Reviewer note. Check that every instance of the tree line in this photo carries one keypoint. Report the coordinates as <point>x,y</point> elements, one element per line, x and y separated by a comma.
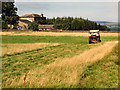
<point>70,23</point>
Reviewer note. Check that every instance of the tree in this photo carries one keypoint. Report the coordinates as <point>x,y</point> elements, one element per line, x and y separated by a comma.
<point>65,26</point>
<point>0,7</point>
<point>58,23</point>
<point>4,25</point>
<point>0,23</point>
<point>87,24</point>
<point>42,20</point>
<point>67,23</point>
<point>50,21</point>
<point>9,14</point>
<point>33,26</point>
<point>103,28</point>
<point>77,24</point>
<point>82,24</point>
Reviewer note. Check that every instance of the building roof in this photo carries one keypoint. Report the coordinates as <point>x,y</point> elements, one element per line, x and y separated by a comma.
<point>25,21</point>
<point>30,15</point>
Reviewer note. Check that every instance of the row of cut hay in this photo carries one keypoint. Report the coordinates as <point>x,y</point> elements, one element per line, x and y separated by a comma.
<point>17,48</point>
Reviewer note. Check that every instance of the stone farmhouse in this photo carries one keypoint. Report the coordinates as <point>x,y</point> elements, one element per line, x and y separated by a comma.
<point>25,20</point>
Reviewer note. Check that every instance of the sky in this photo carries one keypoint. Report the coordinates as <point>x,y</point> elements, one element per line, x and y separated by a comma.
<point>95,11</point>
<point>67,0</point>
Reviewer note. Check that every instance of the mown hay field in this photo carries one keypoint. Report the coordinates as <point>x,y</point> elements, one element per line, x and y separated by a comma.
<point>16,65</point>
<point>17,48</point>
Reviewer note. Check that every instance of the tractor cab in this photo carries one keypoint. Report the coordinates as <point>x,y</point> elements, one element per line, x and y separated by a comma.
<point>94,36</point>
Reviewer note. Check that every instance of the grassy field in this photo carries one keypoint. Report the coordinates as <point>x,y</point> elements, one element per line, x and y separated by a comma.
<point>21,47</point>
<point>45,39</point>
<point>51,39</point>
<point>103,73</point>
<point>17,64</point>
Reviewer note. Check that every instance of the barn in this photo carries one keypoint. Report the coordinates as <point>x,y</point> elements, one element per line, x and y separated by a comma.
<point>26,19</point>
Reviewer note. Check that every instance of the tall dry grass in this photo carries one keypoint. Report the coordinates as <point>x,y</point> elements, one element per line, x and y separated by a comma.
<point>65,72</point>
<point>15,48</point>
<point>57,33</point>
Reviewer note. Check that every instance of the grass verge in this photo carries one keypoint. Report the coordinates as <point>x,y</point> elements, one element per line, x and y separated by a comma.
<point>102,74</point>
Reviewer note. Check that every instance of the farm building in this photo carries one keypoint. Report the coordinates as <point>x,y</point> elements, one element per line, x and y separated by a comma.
<point>23,24</point>
<point>28,18</point>
<point>32,17</point>
<point>45,27</point>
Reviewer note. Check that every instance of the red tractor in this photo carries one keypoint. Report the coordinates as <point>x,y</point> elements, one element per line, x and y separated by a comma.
<point>94,36</point>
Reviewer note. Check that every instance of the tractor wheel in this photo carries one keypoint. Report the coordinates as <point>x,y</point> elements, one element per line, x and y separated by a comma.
<point>98,39</point>
<point>90,41</point>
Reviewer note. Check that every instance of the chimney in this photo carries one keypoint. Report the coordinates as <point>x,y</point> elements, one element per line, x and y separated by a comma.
<point>41,15</point>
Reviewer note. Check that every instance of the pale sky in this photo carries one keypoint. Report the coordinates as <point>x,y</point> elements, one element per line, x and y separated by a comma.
<point>95,11</point>
<point>67,0</point>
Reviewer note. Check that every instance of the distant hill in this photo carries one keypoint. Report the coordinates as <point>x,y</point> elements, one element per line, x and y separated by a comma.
<point>102,22</point>
<point>112,25</point>
<point>107,23</point>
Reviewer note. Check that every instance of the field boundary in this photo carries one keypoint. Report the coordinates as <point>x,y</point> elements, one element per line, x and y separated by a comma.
<point>37,33</point>
<point>68,31</point>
